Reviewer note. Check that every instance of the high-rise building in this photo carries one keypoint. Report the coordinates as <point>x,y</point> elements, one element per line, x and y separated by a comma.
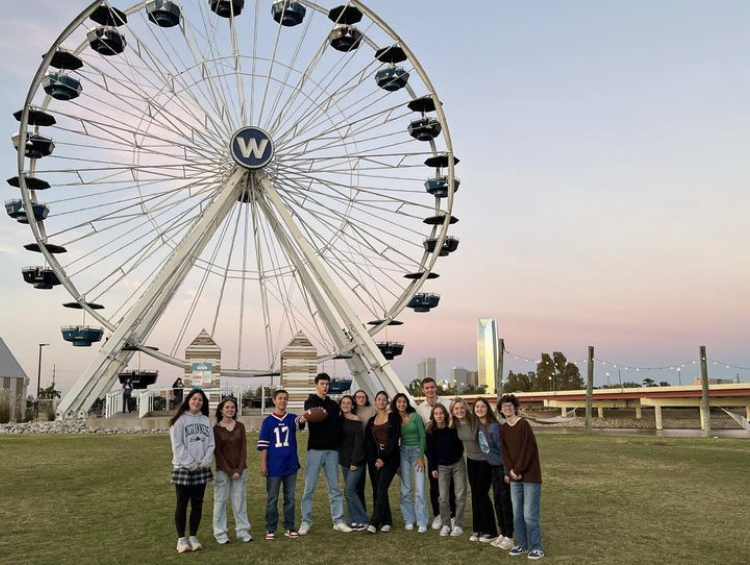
<point>427,368</point>
<point>459,377</point>
<point>487,359</point>
<point>472,378</point>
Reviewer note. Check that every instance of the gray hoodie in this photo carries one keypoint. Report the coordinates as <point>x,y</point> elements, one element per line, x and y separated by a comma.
<point>192,441</point>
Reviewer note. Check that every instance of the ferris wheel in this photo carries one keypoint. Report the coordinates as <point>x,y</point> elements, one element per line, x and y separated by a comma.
<point>254,169</point>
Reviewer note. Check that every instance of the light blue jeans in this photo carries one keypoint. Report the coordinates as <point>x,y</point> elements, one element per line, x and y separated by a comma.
<point>235,490</point>
<point>357,512</point>
<point>328,460</point>
<point>273,484</point>
<point>416,509</point>
<point>526,499</point>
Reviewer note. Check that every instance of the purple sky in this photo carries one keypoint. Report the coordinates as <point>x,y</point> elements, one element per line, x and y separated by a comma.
<point>604,189</point>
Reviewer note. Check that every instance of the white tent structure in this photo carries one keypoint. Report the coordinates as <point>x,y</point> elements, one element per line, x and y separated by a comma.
<point>13,379</point>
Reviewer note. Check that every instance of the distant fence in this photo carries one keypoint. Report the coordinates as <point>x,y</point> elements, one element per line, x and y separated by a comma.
<point>166,399</point>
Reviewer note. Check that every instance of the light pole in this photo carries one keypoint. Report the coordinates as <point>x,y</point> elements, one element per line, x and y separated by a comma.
<point>39,377</point>
<point>39,370</point>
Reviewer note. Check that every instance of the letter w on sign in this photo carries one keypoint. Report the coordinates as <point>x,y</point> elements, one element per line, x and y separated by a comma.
<point>251,146</point>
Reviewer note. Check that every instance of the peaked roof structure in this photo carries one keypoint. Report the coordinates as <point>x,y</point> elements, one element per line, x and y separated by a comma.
<point>204,340</point>
<point>299,340</point>
<point>9,366</point>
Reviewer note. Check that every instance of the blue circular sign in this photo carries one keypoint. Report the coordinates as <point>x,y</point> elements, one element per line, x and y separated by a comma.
<point>251,148</point>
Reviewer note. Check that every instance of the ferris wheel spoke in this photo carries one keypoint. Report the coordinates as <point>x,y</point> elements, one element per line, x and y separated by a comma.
<point>337,69</point>
<point>317,111</point>
<point>235,220</point>
<point>368,197</point>
<point>210,55</point>
<point>201,286</point>
<point>262,279</point>
<point>125,267</point>
<point>270,126</point>
<point>148,96</point>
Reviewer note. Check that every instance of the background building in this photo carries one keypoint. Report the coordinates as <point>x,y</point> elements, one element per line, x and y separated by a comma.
<point>459,377</point>
<point>13,384</point>
<point>472,378</point>
<point>298,370</point>
<point>202,362</point>
<point>427,368</point>
<point>487,360</point>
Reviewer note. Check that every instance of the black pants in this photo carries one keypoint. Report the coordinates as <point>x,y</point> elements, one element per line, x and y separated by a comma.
<point>503,503</point>
<point>435,496</point>
<point>362,484</point>
<point>482,513</point>
<point>193,495</point>
<point>381,481</point>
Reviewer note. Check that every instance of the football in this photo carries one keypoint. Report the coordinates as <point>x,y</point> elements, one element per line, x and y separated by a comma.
<point>315,414</point>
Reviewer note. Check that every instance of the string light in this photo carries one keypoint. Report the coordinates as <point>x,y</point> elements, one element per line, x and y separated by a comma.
<point>672,367</point>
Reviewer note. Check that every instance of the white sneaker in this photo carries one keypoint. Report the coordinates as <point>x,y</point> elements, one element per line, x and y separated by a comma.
<point>506,543</point>
<point>222,539</point>
<point>245,537</point>
<point>342,527</point>
<point>304,527</point>
<point>195,545</point>
<point>445,531</point>
<point>437,522</point>
<point>372,529</point>
<point>422,530</point>
<point>183,545</point>
<point>486,538</point>
<point>385,529</point>
<point>457,531</point>
<point>474,536</point>
<point>409,527</point>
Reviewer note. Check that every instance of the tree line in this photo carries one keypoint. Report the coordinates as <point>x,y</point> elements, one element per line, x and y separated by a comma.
<point>553,372</point>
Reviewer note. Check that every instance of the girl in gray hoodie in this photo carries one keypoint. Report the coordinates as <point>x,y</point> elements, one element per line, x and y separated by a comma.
<point>192,453</point>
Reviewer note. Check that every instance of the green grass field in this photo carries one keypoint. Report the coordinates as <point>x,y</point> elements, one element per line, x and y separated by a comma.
<point>75,499</point>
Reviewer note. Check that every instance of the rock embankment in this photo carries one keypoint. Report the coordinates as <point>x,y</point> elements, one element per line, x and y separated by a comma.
<point>72,426</point>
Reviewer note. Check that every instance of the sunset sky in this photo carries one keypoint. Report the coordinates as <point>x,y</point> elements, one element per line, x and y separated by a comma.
<point>604,198</point>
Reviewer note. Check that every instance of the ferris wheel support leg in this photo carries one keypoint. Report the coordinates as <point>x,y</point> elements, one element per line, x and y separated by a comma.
<point>356,364</point>
<point>309,265</point>
<point>141,318</point>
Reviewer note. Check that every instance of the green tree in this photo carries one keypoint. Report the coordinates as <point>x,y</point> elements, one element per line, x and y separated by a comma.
<point>414,387</point>
<point>519,382</point>
<point>50,392</point>
<point>649,382</point>
<point>555,372</point>
<point>480,389</point>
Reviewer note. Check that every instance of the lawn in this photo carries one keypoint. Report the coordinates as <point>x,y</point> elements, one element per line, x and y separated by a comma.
<point>76,499</point>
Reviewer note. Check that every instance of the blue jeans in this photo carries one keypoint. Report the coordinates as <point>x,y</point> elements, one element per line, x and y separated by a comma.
<point>328,460</point>
<point>526,499</point>
<point>357,512</point>
<point>272,506</point>
<point>412,510</point>
<point>235,490</point>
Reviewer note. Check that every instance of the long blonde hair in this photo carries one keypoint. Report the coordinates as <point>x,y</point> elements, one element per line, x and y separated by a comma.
<point>470,418</point>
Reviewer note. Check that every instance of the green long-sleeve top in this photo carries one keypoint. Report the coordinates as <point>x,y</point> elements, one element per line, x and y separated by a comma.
<point>412,433</point>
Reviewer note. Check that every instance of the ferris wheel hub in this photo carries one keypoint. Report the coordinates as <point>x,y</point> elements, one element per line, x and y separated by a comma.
<point>252,148</point>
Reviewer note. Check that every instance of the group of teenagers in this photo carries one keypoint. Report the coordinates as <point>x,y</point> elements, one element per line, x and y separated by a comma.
<point>388,437</point>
